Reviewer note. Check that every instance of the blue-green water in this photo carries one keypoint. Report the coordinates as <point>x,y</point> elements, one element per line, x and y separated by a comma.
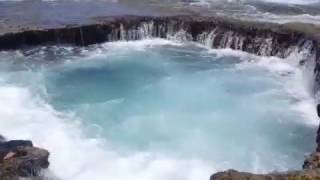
<point>154,109</point>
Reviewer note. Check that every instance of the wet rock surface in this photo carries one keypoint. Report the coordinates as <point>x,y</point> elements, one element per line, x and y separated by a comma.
<point>20,158</point>
<point>311,174</point>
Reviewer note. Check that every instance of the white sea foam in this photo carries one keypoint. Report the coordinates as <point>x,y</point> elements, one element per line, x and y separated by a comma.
<point>74,156</point>
<point>276,18</point>
<point>247,10</point>
<point>78,158</point>
<point>299,82</point>
<point>139,45</point>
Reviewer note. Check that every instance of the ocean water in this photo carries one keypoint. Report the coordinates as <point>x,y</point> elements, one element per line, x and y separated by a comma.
<point>157,110</point>
<point>300,2</point>
<point>276,11</point>
<point>24,12</point>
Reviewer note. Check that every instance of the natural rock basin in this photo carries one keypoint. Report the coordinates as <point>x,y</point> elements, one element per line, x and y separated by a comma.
<point>153,109</point>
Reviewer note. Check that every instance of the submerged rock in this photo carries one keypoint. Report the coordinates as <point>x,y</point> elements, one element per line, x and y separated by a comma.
<point>21,159</point>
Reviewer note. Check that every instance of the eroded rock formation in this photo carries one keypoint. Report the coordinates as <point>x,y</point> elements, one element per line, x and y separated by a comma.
<point>254,37</point>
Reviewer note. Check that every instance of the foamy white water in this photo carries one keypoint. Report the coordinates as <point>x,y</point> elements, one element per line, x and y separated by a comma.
<point>157,110</point>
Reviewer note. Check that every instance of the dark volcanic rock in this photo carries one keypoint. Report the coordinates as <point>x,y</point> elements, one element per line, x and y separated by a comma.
<point>318,112</point>
<point>21,159</point>
<point>6,147</point>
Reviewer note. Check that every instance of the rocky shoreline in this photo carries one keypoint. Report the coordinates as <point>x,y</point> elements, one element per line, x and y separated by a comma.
<point>310,171</point>
<point>19,158</point>
<point>310,174</point>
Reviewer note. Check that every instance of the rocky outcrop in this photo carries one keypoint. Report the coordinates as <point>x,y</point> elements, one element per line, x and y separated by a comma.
<point>21,159</point>
<point>312,174</point>
<point>310,171</point>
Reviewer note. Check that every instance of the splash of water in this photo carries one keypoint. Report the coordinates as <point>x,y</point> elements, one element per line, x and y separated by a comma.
<point>158,110</point>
